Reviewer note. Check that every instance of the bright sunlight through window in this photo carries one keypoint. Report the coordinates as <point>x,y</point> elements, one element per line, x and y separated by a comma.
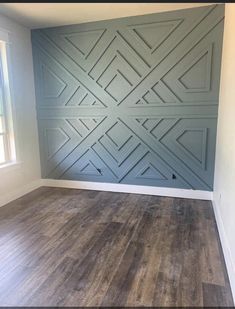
<point>7,148</point>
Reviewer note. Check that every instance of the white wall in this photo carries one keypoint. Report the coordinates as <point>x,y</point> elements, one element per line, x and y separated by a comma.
<point>22,177</point>
<point>224,185</point>
<point>26,175</point>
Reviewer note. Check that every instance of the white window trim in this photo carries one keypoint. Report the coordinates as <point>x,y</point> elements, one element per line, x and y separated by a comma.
<point>5,55</point>
<point>10,166</point>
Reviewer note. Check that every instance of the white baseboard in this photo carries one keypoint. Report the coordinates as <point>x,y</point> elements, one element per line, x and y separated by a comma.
<point>226,248</point>
<point>171,192</point>
<point>9,197</point>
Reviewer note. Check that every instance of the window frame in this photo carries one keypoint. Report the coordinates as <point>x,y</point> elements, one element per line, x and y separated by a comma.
<point>3,115</point>
<point>8,131</point>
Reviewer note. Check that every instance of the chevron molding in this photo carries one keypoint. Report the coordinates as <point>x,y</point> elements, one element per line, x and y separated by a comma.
<point>132,100</point>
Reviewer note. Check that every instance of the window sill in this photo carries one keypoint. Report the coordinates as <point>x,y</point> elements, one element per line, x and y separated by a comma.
<point>10,166</point>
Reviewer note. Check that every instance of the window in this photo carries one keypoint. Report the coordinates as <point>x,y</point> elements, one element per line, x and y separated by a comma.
<point>7,147</point>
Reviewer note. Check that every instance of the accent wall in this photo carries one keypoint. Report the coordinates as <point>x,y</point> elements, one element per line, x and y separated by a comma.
<point>131,100</point>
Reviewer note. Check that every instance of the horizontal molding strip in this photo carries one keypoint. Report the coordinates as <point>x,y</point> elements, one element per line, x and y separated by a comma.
<point>124,188</point>
<point>184,111</point>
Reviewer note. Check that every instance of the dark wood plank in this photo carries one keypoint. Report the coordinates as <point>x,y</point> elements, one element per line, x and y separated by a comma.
<point>216,296</point>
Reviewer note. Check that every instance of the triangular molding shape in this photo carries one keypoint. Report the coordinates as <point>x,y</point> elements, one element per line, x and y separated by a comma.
<point>198,72</point>
<point>89,168</point>
<point>52,85</point>
<point>84,98</point>
<point>152,97</point>
<point>150,123</point>
<point>157,127</point>
<point>83,126</point>
<point>87,165</point>
<point>152,35</point>
<point>150,172</point>
<point>199,154</point>
<point>84,41</point>
<point>56,138</point>
<point>158,94</point>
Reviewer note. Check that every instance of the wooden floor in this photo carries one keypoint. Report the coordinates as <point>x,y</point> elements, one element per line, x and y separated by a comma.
<point>65,247</point>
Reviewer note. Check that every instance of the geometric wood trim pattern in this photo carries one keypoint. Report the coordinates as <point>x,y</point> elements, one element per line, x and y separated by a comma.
<point>131,100</point>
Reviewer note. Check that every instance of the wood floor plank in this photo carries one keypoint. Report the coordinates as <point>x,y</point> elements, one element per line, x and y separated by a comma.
<point>102,276</point>
<point>216,296</point>
<point>68,247</point>
<point>143,286</point>
<point>81,270</point>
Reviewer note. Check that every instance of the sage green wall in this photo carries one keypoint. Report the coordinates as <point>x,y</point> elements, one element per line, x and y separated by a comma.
<point>131,100</point>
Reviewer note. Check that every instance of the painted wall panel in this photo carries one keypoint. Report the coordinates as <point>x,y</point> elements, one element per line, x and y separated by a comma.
<point>131,100</point>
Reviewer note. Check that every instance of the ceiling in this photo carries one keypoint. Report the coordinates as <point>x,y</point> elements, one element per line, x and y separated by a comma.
<point>41,15</point>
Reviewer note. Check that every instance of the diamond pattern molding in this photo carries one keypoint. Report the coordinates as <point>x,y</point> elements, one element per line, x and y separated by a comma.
<point>131,100</point>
